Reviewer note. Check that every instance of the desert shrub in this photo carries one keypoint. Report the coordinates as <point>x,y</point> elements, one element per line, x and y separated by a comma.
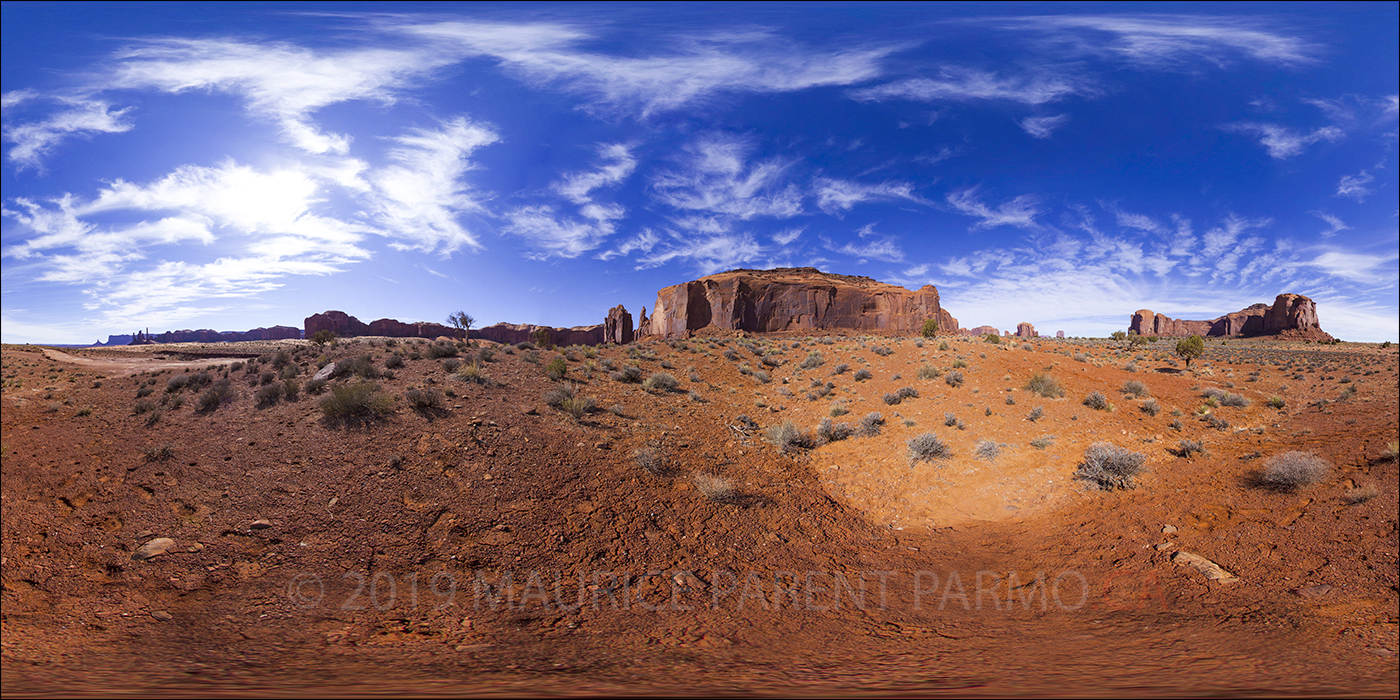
<point>315,386</point>
<point>424,400</point>
<point>361,366</point>
<point>746,369</point>
<point>882,351</point>
<point>716,488</point>
<point>631,374</point>
<point>954,379</point>
<point>143,406</point>
<point>268,395</point>
<point>161,453</point>
<point>838,410</point>
<point>215,396</point>
<point>1291,470</point>
<point>788,437</point>
<point>950,420</point>
<point>812,361</point>
<point>144,391</point>
<point>861,375</point>
<point>1109,466</point>
<point>661,382</point>
<point>730,355</point>
<point>1035,414</point>
<point>1010,400</point>
<point>1217,422</point>
<point>870,425</point>
<point>267,378</point>
<point>1043,442</point>
<point>926,448</point>
<point>942,345</point>
<point>988,449</point>
<point>290,389</point>
<point>762,377</point>
<point>1186,448</point>
<point>1080,357</point>
<point>438,351</point>
<point>472,374</point>
<point>488,355</point>
<point>578,406</point>
<point>359,402</point>
<point>1135,389</point>
<point>840,369</point>
<point>650,459</point>
<point>1042,384</point>
<point>993,339</point>
<point>1149,407</point>
<point>834,432</point>
<point>960,363</point>
<point>556,369</point>
<point>1096,401</point>
<point>1277,402</point>
<point>555,397</point>
<point>451,365</point>
<point>929,372</point>
<point>394,361</point>
<point>930,328</point>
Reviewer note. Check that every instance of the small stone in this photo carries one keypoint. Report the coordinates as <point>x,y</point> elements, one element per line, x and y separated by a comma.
<point>1317,591</point>
<point>162,615</point>
<point>154,548</point>
<point>1165,545</point>
<point>260,524</point>
<point>1169,529</point>
<point>1208,568</point>
<point>531,411</point>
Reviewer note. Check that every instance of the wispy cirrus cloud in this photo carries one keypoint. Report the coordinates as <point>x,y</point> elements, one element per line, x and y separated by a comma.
<point>715,176</point>
<point>1284,142</point>
<point>957,84</point>
<point>693,68</point>
<point>836,196</point>
<point>552,234</point>
<point>1170,41</point>
<point>419,197</point>
<point>1356,186</point>
<point>77,117</point>
<point>283,83</point>
<point>1334,225</point>
<point>1019,211</point>
<point>1043,127</point>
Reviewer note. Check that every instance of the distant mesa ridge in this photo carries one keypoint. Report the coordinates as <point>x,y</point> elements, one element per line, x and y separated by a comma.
<point>791,299</point>
<point>1292,316</point>
<point>206,335</point>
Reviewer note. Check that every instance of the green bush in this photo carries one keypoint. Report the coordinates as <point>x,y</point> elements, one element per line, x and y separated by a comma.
<point>556,369</point>
<point>929,329</point>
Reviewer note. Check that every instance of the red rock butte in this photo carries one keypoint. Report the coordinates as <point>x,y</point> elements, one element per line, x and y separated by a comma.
<point>791,299</point>
<point>1292,317</point>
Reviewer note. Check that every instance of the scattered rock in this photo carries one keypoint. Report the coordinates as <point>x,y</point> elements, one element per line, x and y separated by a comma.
<point>1317,591</point>
<point>324,373</point>
<point>260,524</point>
<point>1169,529</point>
<point>531,411</point>
<point>1208,568</point>
<point>162,615</point>
<point>154,548</point>
<point>1165,545</point>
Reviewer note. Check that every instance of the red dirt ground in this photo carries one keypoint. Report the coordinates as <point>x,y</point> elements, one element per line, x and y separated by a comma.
<point>499,546</point>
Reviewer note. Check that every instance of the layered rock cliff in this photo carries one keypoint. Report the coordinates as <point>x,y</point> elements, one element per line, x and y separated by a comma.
<point>791,299</point>
<point>1292,316</point>
<point>344,325</point>
<point>512,333</point>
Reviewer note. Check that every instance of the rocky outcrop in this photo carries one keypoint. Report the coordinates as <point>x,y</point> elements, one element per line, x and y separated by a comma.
<point>390,328</point>
<point>273,333</point>
<point>1059,334</point>
<point>1292,316</point>
<point>643,325</point>
<point>511,333</point>
<point>791,299</point>
<point>1026,330</point>
<point>343,325</point>
<point>617,327</point>
<point>984,330</point>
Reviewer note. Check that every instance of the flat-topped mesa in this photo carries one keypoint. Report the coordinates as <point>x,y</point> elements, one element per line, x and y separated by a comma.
<point>1292,317</point>
<point>792,299</point>
<point>512,333</point>
<point>344,325</point>
<point>1026,330</point>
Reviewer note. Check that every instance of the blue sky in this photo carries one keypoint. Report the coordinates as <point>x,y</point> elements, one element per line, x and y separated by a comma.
<point>237,165</point>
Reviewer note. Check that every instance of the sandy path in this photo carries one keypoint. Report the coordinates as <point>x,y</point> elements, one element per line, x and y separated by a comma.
<point>122,368</point>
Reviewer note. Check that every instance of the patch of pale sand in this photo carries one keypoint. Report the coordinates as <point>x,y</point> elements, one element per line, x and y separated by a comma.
<point>126,366</point>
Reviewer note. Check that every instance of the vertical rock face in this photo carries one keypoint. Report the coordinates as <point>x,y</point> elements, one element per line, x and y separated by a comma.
<point>511,333</point>
<point>1059,334</point>
<point>643,325</point>
<point>984,330</point>
<point>1291,316</point>
<point>338,322</point>
<point>1025,330</point>
<point>946,323</point>
<point>617,327</point>
<point>791,299</point>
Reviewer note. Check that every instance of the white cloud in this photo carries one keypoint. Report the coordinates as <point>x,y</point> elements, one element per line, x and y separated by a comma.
<point>282,83</point>
<point>552,235</point>
<point>1137,221</point>
<point>1361,268</point>
<point>1020,211</point>
<point>715,177</point>
<point>1160,41</point>
<point>1043,127</point>
<point>618,166</point>
<point>787,236</point>
<point>708,255</point>
<point>836,197</point>
<point>966,84</point>
<point>417,200</point>
<point>1355,186</point>
<point>80,117</point>
<point>1334,224</point>
<point>1283,142</point>
<point>884,249</point>
<point>696,68</point>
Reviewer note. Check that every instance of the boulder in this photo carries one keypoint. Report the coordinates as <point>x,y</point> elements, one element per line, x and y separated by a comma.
<point>1291,316</point>
<point>617,327</point>
<point>790,299</point>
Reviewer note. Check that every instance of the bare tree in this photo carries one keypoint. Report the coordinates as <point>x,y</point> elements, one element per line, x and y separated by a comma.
<point>462,321</point>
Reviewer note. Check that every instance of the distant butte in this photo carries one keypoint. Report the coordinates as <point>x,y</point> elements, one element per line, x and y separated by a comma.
<point>1292,317</point>
<point>791,299</point>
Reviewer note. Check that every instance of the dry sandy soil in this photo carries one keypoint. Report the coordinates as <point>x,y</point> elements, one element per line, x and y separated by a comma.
<point>661,543</point>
